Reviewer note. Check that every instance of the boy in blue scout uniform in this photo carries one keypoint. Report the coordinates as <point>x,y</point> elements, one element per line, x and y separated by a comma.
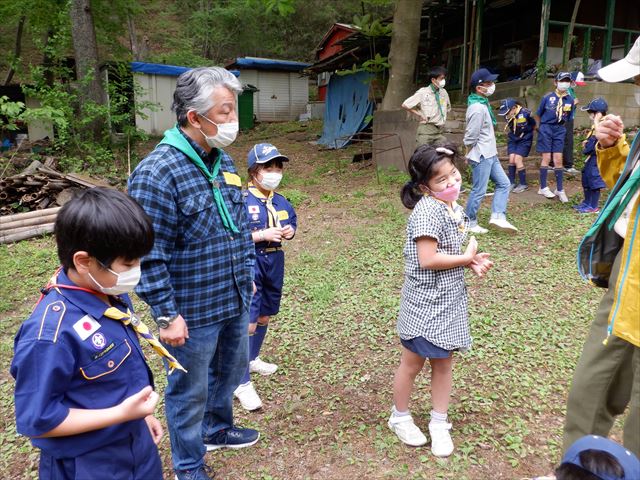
<point>271,219</point>
<point>520,126</point>
<point>592,182</point>
<point>554,110</point>
<point>83,392</point>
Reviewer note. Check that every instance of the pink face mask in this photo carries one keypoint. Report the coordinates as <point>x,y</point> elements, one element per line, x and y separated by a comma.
<point>449,194</point>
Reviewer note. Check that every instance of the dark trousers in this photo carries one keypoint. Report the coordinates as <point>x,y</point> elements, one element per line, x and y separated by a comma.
<point>605,382</point>
<point>567,151</point>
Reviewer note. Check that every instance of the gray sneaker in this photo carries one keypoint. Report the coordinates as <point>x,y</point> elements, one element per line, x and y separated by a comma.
<point>571,171</point>
<point>521,188</point>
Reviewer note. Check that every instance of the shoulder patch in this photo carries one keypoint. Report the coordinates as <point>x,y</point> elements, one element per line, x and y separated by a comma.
<point>232,179</point>
<point>51,320</point>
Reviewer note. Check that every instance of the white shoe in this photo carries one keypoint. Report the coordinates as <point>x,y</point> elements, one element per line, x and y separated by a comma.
<point>406,430</point>
<point>502,224</point>
<point>262,368</point>
<point>477,229</point>
<point>561,196</point>
<point>441,443</point>
<point>546,192</point>
<point>248,397</point>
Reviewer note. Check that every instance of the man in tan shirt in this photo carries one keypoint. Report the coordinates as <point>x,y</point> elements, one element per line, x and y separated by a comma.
<point>430,104</point>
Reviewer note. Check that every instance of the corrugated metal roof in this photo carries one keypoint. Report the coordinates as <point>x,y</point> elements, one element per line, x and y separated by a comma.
<point>268,64</point>
<point>162,69</point>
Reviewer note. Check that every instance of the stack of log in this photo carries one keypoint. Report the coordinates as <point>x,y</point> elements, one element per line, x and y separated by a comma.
<point>41,190</point>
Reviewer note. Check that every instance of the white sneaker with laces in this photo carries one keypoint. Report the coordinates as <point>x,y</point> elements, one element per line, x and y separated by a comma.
<point>261,367</point>
<point>248,397</point>
<point>502,224</point>
<point>477,229</point>
<point>561,196</point>
<point>406,430</point>
<point>441,443</point>
<point>546,191</point>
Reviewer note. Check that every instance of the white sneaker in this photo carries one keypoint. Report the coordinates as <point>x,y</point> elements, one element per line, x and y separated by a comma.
<point>477,229</point>
<point>441,443</point>
<point>248,397</point>
<point>561,196</point>
<point>502,224</point>
<point>407,431</point>
<point>546,191</point>
<point>262,368</point>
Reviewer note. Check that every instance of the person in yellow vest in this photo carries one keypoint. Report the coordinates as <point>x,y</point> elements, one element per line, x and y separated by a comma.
<point>431,105</point>
<point>607,377</point>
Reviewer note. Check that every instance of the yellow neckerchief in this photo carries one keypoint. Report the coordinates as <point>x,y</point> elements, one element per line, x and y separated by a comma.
<point>513,119</point>
<point>272,214</point>
<point>560,104</point>
<point>456,216</point>
<point>142,330</point>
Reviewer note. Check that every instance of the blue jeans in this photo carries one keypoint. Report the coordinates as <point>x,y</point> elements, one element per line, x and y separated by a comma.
<point>200,403</point>
<point>481,172</point>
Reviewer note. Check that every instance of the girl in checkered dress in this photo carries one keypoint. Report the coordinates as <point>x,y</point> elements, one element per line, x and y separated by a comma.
<point>433,320</point>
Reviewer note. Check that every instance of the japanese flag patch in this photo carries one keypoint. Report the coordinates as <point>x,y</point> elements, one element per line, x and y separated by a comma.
<point>254,209</point>
<point>85,327</point>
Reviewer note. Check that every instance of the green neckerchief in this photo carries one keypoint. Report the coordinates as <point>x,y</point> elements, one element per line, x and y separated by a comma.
<point>436,91</point>
<point>477,98</point>
<point>174,138</point>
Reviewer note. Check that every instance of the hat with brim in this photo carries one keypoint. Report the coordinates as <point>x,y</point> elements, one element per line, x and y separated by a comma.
<point>263,153</point>
<point>596,105</point>
<point>627,460</point>
<point>506,105</point>
<point>623,69</point>
<point>482,76</point>
<point>563,75</point>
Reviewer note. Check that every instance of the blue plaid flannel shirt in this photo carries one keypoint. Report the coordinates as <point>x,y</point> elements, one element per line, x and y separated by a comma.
<point>197,268</point>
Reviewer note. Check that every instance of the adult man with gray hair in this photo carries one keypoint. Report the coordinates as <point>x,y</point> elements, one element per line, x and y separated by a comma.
<point>198,277</point>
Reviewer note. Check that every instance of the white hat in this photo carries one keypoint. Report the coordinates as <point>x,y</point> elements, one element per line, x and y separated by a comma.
<point>623,69</point>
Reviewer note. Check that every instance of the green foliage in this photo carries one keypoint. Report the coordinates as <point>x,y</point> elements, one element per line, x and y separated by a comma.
<point>9,113</point>
<point>284,8</point>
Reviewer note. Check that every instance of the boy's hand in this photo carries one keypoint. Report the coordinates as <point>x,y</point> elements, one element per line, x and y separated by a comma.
<point>141,404</point>
<point>481,264</point>
<point>155,428</point>
<point>176,333</point>
<point>273,234</point>
<point>608,129</point>
<point>472,249</point>
<point>288,232</point>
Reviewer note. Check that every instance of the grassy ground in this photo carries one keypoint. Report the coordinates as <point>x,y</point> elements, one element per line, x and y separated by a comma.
<point>326,408</point>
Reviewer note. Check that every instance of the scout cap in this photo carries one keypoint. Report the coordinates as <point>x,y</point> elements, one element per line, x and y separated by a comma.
<point>596,105</point>
<point>563,75</point>
<point>627,460</point>
<point>263,153</point>
<point>623,69</point>
<point>481,76</point>
<point>506,105</point>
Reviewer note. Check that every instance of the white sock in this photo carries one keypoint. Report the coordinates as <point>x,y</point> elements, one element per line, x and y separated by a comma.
<point>437,417</point>
<point>396,413</point>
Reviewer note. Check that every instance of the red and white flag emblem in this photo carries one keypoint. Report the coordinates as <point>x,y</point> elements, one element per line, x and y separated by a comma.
<point>85,327</point>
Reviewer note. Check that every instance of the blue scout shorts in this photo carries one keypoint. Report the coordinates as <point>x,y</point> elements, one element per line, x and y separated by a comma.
<point>551,138</point>
<point>521,146</point>
<point>591,179</point>
<point>423,347</point>
<point>269,278</point>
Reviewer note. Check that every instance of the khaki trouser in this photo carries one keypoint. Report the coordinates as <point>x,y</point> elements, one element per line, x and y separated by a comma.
<point>606,380</point>
<point>428,134</point>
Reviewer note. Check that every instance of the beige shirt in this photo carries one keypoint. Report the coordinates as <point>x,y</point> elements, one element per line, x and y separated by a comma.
<point>424,100</point>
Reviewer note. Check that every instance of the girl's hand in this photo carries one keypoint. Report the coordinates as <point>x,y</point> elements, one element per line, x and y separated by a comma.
<point>288,232</point>
<point>141,404</point>
<point>481,264</point>
<point>472,249</point>
<point>155,428</point>
<point>273,234</point>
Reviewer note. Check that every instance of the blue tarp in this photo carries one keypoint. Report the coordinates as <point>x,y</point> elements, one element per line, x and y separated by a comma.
<point>162,69</point>
<point>347,107</point>
<point>268,64</point>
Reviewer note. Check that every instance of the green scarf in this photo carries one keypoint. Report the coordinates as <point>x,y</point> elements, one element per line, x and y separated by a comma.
<point>436,92</point>
<point>477,98</point>
<point>174,138</point>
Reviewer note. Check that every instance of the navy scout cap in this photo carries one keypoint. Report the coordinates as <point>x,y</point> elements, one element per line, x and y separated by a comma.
<point>563,75</point>
<point>481,76</point>
<point>596,105</point>
<point>506,105</point>
<point>263,153</point>
<point>627,460</point>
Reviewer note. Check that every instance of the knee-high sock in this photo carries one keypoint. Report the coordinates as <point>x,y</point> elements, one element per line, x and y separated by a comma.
<point>255,341</point>
<point>512,173</point>
<point>594,198</point>
<point>559,176</point>
<point>522,176</point>
<point>543,177</point>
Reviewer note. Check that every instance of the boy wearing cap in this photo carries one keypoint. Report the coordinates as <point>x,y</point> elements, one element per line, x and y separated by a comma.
<point>592,182</point>
<point>271,219</point>
<point>482,154</point>
<point>554,110</point>
<point>431,105</point>
<point>519,128</point>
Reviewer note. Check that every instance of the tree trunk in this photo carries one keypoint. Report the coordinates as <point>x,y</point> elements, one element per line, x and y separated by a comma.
<point>133,38</point>
<point>16,51</point>
<point>567,50</point>
<point>402,53</point>
<point>86,54</point>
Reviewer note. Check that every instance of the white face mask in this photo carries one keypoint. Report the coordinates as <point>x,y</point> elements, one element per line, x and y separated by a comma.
<point>227,133</point>
<point>442,83</point>
<point>564,86</point>
<point>488,91</point>
<point>271,180</point>
<point>126,281</point>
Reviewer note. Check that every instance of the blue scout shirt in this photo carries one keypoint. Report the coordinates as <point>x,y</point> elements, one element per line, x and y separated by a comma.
<point>260,217</point>
<point>68,355</point>
<point>549,111</point>
<point>521,125</point>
